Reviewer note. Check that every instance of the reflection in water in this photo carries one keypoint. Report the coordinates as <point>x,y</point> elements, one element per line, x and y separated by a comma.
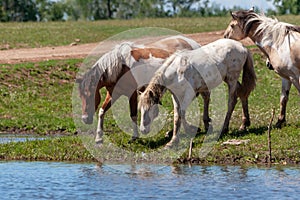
<point>58,180</point>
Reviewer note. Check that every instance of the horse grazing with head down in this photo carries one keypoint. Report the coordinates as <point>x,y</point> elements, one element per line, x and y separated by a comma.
<point>110,68</point>
<point>279,41</point>
<point>189,72</point>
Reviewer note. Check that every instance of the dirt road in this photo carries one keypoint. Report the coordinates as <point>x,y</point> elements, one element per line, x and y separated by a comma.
<point>12,56</point>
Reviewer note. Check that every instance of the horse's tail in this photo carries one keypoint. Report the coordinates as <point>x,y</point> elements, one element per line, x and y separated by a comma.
<point>248,79</point>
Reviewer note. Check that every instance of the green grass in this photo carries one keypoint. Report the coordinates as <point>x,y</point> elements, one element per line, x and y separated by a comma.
<point>50,149</point>
<point>36,98</point>
<point>30,34</point>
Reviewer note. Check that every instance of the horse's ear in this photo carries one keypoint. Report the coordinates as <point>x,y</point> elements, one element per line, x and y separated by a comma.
<point>157,101</point>
<point>151,94</point>
<point>233,15</point>
<point>251,9</point>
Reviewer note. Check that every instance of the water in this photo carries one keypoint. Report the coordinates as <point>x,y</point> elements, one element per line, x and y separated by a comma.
<point>60,180</point>
<point>6,138</point>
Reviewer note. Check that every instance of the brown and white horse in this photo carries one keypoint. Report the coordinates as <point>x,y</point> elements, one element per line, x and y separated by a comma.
<point>110,68</point>
<point>279,41</point>
<point>190,72</point>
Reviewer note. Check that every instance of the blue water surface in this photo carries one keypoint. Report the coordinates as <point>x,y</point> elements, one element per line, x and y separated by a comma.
<point>61,180</point>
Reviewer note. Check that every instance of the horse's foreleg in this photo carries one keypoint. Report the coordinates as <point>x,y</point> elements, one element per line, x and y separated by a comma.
<point>246,117</point>
<point>176,123</point>
<point>105,106</point>
<point>232,100</point>
<point>285,90</point>
<point>206,100</point>
<point>133,114</point>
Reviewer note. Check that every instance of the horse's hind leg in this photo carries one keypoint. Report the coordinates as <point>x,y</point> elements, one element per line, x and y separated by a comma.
<point>206,100</point>
<point>245,118</point>
<point>285,90</point>
<point>133,114</point>
<point>232,100</point>
<point>105,106</point>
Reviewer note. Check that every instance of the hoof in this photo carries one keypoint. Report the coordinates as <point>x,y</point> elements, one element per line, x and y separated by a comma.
<point>99,141</point>
<point>99,144</point>
<point>224,131</point>
<point>133,138</point>
<point>172,144</point>
<point>243,128</point>
<point>168,146</point>
<point>169,134</point>
<point>280,123</point>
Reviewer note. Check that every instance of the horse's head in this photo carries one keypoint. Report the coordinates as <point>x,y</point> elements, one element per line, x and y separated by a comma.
<point>239,25</point>
<point>148,105</point>
<point>87,90</point>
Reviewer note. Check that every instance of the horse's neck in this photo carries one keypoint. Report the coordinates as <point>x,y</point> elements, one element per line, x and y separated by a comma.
<point>97,70</point>
<point>158,90</point>
<point>257,38</point>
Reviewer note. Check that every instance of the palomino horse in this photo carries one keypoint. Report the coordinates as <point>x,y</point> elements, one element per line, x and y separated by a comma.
<point>189,72</point>
<point>108,70</point>
<point>279,41</point>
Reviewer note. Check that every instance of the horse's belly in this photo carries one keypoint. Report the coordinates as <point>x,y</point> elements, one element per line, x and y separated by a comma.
<point>211,76</point>
<point>295,54</point>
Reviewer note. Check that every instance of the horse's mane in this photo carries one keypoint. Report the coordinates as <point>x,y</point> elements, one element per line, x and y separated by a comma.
<point>90,78</point>
<point>109,66</point>
<point>156,87</point>
<point>153,92</point>
<point>271,28</point>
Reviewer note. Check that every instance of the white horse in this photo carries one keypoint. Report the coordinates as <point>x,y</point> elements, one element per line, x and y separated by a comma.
<point>189,72</point>
<point>279,41</point>
<point>111,67</point>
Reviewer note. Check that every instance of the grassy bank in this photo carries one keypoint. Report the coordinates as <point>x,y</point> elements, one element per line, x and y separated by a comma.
<point>29,34</point>
<point>63,148</point>
<point>36,98</point>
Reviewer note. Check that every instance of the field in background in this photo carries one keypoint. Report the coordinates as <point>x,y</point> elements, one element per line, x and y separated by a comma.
<point>32,34</point>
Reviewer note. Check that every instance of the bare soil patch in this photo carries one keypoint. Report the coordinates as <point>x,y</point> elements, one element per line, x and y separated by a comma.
<point>13,56</point>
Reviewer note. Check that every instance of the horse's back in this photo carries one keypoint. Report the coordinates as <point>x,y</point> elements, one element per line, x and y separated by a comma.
<point>213,62</point>
<point>226,45</point>
<point>174,43</point>
<point>220,51</point>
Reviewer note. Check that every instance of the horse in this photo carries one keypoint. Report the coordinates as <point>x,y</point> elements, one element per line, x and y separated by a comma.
<point>280,43</point>
<point>189,72</point>
<point>113,65</point>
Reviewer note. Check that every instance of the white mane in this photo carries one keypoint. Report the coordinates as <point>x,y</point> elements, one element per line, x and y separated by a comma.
<point>110,64</point>
<point>273,31</point>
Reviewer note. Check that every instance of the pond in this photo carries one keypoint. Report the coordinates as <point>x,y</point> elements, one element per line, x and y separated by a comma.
<point>61,180</point>
<point>6,138</point>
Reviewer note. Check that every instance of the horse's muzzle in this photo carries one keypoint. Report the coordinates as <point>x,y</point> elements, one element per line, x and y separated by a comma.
<point>87,119</point>
<point>145,129</point>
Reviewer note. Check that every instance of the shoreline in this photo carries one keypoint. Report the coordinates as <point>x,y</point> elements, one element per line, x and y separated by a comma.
<point>83,155</point>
